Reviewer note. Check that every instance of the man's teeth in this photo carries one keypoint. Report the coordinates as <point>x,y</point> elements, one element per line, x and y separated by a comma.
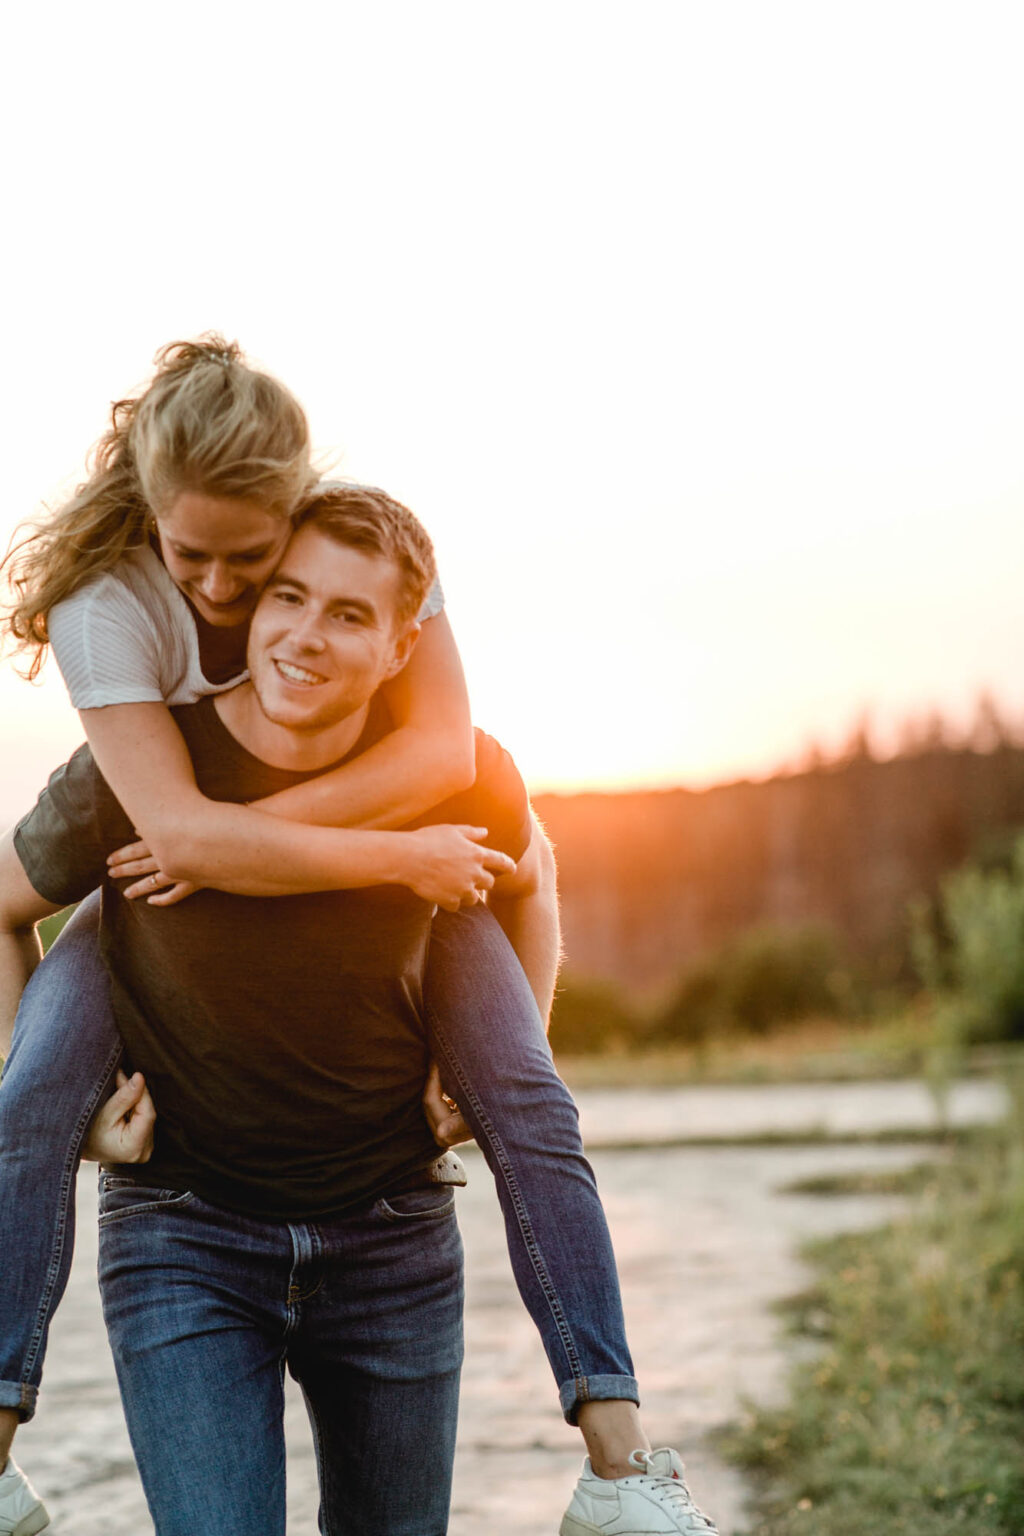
<point>298,674</point>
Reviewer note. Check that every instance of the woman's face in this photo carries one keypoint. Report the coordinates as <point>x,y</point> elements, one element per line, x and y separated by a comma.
<point>220,552</point>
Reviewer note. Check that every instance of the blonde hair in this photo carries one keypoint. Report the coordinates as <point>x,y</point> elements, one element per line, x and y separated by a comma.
<point>365,518</point>
<point>207,422</point>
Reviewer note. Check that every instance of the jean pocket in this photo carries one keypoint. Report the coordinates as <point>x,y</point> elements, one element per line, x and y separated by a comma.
<point>121,1197</point>
<point>431,1203</point>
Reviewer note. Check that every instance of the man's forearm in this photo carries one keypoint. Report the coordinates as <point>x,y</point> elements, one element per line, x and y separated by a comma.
<point>532,928</point>
<point>19,956</point>
<point>531,923</point>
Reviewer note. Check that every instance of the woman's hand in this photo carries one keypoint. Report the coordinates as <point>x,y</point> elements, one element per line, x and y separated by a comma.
<point>134,861</point>
<point>450,866</point>
<point>122,1128</point>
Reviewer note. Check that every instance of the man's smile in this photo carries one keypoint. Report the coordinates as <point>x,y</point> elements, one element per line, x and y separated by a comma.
<point>293,674</point>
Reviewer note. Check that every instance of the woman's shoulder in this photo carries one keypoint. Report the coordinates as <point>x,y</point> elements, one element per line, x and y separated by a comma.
<point>138,581</point>
<point>119,637</point>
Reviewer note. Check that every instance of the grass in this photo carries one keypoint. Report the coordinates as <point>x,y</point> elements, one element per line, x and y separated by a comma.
<point>907,1418</point>
<point>817,1050</point>
<point>917,1179</point>
<point>813,1051</point>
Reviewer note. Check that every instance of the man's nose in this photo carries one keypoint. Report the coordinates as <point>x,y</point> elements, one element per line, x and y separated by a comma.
<point>306,631</point>
<point>219,583</point>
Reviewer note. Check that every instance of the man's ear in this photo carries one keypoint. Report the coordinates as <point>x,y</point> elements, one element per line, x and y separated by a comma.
<point>403,650</point>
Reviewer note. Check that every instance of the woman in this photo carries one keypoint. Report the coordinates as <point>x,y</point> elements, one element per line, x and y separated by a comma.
<point>144,583</point>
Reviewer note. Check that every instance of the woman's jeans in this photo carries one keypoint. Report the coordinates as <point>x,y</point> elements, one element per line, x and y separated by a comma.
<point>205,1307</point>
<point>489,1042</point>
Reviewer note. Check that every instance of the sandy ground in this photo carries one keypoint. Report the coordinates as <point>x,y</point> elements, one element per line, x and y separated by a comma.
<point>706,1242</point>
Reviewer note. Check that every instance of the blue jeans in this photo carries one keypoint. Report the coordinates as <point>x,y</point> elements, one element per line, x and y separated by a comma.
<point>488,1039</point>
<point>205,1308</point>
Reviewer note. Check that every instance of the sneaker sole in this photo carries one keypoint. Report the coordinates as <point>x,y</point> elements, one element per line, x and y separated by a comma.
<point>572,1526</point>
<point>36,1520</point>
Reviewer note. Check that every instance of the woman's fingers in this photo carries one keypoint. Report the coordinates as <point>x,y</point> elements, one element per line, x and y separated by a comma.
<point>177,892</point>
<point>130,859</point>
<point>149,886</point>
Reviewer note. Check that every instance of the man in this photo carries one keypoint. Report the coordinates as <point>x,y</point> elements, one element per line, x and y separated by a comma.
<point>290,1212</point>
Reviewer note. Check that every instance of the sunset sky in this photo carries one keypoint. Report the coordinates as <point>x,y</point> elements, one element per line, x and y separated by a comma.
<point>694,332</point>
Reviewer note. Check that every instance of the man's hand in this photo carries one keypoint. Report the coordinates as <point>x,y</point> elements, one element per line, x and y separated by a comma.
<point>135,862</point>
<point>122,1128</point>
<point>446,1124</point>
<point>451,867</point>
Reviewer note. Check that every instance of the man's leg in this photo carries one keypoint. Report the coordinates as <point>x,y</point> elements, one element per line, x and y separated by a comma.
<point>377,1350</point>
<point>195,1301</point>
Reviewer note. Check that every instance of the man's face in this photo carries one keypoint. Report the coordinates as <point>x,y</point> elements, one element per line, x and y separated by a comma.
<point>324,635</point>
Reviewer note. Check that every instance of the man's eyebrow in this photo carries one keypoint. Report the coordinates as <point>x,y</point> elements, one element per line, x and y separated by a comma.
<point>357,604</point>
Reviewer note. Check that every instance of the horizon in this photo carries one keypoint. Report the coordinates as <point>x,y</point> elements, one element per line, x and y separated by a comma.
<point>989,726</point>
<point>704,379</point>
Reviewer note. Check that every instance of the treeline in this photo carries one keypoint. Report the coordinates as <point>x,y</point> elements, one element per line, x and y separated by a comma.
<point>967,971</point>
<point>655,882</point>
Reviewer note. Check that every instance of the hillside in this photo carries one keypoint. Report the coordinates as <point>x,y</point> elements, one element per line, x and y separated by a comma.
<point>649,880</point>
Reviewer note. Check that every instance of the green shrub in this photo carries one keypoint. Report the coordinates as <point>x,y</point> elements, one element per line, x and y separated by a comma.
<point>969,950</point>
<point>764,977</point>
<point>592,1016</point>
<point>50,927</point>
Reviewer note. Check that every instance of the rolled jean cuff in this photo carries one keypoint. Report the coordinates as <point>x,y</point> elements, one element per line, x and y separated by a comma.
<point>594,1389</point>
<point>20,1395</point>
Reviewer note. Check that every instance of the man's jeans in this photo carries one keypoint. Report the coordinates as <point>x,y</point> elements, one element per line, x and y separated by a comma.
<point>489,1041</point>
<point>204,1308</point>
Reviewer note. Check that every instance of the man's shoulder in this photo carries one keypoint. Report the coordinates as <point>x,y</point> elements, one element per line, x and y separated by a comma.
<point>497,799</point>
<point>64,840</point>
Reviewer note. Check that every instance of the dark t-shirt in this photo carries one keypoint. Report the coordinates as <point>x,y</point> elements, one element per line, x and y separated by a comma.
<point>281,1037</point>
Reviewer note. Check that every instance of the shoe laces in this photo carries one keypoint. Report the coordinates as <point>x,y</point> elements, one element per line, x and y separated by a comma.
<point>665,1470</point>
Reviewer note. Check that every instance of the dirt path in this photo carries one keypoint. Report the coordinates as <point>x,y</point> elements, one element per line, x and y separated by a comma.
<point>705,1241</point>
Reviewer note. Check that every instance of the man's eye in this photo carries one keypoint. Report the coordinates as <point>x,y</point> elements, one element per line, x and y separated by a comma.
<point>252,557</point>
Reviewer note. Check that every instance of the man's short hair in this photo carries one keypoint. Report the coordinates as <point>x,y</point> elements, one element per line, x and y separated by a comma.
<point>365,518</point>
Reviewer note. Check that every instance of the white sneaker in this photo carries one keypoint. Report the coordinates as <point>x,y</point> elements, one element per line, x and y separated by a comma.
<point>21,1508</point>
<point>654,1501</point>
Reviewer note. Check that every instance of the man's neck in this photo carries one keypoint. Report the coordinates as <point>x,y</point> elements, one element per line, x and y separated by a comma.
<point>278,746</point>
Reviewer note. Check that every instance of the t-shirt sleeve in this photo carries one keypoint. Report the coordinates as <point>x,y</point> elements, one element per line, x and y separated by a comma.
<point>433,604</point>
<point>64,840</point>
<point>106,647</point>
<point>497,800</point>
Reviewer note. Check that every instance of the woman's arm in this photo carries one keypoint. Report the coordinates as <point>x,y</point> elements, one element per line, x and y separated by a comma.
<point>427,757</point>
<point>143,757</point>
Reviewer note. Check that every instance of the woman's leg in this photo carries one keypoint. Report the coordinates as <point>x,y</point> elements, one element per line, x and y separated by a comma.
<point>63,1055</point>
<point>495,1061</point>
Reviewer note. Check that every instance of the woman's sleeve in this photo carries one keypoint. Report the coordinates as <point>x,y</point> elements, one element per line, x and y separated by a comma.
<point>107,647</point>
<point>433,603</point>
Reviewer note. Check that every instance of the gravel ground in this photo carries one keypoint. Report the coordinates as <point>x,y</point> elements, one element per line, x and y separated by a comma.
<point>705,1241</point>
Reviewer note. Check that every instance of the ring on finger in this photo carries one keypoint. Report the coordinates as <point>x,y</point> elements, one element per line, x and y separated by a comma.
<point>154,881</point>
